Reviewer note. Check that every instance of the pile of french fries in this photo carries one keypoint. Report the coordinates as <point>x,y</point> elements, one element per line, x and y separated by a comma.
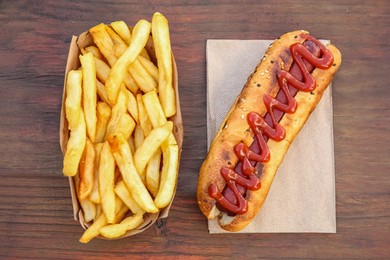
<point>121,151</point>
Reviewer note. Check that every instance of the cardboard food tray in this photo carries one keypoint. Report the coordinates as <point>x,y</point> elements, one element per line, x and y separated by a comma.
<point>83,40</point>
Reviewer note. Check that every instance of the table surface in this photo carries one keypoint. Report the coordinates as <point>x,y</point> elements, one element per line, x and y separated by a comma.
<point>35,207</point>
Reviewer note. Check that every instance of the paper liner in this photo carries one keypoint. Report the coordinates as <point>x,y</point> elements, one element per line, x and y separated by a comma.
<point>84,40</point>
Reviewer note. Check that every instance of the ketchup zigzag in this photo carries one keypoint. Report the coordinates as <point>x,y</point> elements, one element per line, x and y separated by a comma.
<point>263,131</point>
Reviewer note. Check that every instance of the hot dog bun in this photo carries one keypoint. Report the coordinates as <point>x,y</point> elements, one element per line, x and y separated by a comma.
<point>235,129</point>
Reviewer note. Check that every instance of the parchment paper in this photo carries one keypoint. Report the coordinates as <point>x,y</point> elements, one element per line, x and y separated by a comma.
<point>302,196</point>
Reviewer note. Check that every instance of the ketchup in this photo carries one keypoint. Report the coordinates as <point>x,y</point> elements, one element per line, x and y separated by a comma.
<point>307,56</point>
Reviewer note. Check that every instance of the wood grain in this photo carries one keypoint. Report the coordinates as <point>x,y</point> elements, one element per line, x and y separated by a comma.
<point>35,207</point>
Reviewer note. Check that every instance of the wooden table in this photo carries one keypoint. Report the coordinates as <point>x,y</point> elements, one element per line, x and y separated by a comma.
<point>35,207</point>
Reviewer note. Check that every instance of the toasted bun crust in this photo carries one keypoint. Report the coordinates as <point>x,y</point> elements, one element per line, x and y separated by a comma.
<point>235,129</point>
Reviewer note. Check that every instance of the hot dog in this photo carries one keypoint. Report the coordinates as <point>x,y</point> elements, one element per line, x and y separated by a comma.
<point>273,106</point>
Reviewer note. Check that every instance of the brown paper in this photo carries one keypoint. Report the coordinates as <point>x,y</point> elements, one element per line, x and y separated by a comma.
<point>302,196</point>
<point>83,40</point>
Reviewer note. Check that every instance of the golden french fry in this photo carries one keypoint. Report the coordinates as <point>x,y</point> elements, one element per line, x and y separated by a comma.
<point>103,116</point>
<point>101,91</point>
<point>95,51</point>
<point>93,230</point>
<point>144,80</point>
<point>153,173</point>
<point>123,193</point>
<point>119,45</point>
<point>89,93</point>
<point>102,70</point>
<point>117,111</point>
<point>106,182</point>
<point>168,176</point>
<point>73,98</point>
<point>89,209</point>
<point>156,114</point>
<point>143,116</point>
<point>115,79</point>
<point>131,144</point>
<point>150,145</point>
<point>122,29</point>
<point>123,157</point>
<point>118,176</point>
<point>149,66</point>
<point>130,83</point>
<point>144,54</point>
<point>87,170</point>
<point>138,137</point>
<point>95,196</point>
<point>117,230</point>
<point>154,109</point>
<point>98,212</point>
<point>75,148</point>
<point>104,42</point>
<point>125,126</point>
<point>132,106</point>
<point>162,44</point>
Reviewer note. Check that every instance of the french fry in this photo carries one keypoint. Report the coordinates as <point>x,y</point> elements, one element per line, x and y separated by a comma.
<point>117,230</point>
<point>89,209</point>
<point>98,212</point>
<point>153,173</point>
<point>122,154</point>
<point>95,196</point>
<point>123,193</point>
<point>95,51</point>
<point>115,79</point>
<point>118,176</point>
<point>125,126</point>
<point>154,109</point>
<point>102,70</point>
<point>168,176</point>
<point>119,45</point>
<point>106,182</point>
<point>161,40</point>
<point>101,91</point>
<point>75,147</point>
<point>73,98</point>
<point>87,170</point>
<point>131,144</point>
<point>117,111</point>
<point>103,116</point>
<point>89,93</point>
<point>93,230</point>
<point>144,80</point>
<point>130,83</point>
<point>156,114</point>
<point>132,106</point>
<point>104,42</point>
<point>122,29</point>
<point>150,145</point>
<point>143,116</point>
<point>139,137</point>
<point>149,66</point>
